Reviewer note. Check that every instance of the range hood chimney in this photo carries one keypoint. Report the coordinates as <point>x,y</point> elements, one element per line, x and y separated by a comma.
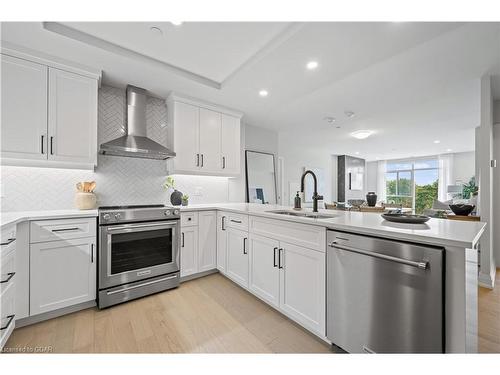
<point>135,143</point>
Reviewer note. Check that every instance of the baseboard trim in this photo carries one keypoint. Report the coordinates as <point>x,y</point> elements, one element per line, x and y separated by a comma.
<point>198,275</point>
<point>487,280</point>
<point>54,314</point>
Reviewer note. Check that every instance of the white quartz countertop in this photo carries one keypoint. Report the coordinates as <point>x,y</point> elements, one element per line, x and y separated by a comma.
<point>441,232</point>
<point>10,218</point>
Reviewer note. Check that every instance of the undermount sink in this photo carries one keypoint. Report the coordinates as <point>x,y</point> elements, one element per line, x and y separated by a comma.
<point>309,215</point>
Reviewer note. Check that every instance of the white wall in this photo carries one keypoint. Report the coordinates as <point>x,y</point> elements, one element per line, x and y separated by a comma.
<point>496,182</point>
<point>371,176</point>
<point>463,166</point>
<point>296,158</point>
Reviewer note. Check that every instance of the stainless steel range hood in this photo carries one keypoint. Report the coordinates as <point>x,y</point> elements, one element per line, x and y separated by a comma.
<point>135,143</point>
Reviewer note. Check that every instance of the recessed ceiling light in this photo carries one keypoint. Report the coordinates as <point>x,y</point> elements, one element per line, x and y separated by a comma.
<point>437,141</point>
<point>449,150</point>
<point>176,23</point>
<point>362,134</point>
<point>311,65</point>
<point>349,114</point>
<point>329,119</point>
<point>263,93</point>
<point>357,152</point>
<point>156,30</point>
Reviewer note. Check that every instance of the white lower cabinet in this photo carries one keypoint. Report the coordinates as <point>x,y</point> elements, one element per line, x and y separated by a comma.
<point>189,251</point>
<point>221,242</point>
<point>62,273</point>
<point>237,256</point>
<point>7,284</point>
<point>302,286</point>
<point>198,242</point>
<point>264,269</point>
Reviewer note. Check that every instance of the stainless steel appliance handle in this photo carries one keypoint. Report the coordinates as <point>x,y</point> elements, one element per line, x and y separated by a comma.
<point>141,285</point>
<point>65,229</point>
<point>134,226</point>
<point>11,318</point>
<point>10,275</point>
<point>8,242</point>
<point>274,257</point>
<point>422,265</point>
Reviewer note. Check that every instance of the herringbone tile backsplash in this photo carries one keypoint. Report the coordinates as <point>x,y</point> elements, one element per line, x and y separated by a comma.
<point>119,180</point>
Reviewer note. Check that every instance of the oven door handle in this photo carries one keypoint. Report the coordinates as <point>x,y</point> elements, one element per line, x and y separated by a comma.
<point>140,285</point>
<point>141,226</point>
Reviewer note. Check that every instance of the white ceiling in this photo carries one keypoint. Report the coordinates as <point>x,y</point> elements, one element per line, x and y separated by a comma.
<point>411,83</point>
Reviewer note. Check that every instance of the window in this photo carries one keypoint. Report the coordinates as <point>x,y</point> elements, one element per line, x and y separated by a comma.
<point>412,183</point>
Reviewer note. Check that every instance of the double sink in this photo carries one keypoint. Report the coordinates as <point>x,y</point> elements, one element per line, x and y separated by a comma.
<point>308,215</point>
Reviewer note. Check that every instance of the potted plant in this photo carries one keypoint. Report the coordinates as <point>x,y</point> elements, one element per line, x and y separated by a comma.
<point>175,195</point>
<point>185,200</point>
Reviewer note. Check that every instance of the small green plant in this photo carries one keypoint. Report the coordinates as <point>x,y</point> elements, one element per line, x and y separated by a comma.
<point>470,188</point>
<point>185,197</point>
<point>169,183</point>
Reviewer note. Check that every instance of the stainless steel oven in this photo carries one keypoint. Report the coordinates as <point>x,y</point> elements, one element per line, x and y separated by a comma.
<point>138,252</point>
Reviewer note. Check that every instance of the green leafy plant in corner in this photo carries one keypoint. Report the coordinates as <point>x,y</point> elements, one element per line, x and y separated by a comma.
<point>169,183</point>
<point>470,188</point>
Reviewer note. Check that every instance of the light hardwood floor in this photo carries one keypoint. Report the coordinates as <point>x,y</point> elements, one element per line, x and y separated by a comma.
<point>489,318</point>
<point>208,315</point>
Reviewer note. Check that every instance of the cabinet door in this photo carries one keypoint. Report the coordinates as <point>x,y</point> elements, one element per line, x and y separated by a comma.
<point>24,109</point>
<point>237,256</point>
<point>210,128</point>
<point>62,273</point>
<point>264,272</point>
<point>207,241</point>
<point>189,251</point>
<point>302,286</point>
<point>186,137</point>
<point>230,144</point>
<point>72,117</point>
<point>221,242</point>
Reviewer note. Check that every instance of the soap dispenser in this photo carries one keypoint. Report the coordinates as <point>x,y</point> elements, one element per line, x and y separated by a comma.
<point>297,204</point>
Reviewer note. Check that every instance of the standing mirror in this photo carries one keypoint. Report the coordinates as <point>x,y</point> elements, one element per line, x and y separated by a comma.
<point>261,177</point>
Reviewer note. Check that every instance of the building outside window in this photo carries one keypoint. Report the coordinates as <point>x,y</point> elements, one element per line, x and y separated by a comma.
<point>412,183</point>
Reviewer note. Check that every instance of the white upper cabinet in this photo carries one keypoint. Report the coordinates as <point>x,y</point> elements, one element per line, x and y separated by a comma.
<point>24,109</point>
<point>230,144</point>
<point>187,137</point>
<point>205,138</point>
<point>49,112</point>
<point>210,140</point>
<point>72,117</point>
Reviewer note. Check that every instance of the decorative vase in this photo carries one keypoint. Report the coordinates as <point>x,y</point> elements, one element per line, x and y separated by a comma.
<point>371,199</point>
<point>176,198</point>
<point>85,201</point>
<point>185,202</point>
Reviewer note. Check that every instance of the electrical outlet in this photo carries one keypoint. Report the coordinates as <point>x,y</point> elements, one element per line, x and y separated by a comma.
<point>198,191</point>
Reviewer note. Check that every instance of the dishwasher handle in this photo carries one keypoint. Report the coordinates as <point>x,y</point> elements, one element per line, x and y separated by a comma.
<point>422,265</point>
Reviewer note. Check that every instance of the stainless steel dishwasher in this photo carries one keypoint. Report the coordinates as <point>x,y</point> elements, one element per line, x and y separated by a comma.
<point>384,296</point>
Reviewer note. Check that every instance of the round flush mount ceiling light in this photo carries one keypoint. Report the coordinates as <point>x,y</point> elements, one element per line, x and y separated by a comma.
<point>263,93</point>
<point>437,141</point>
<point>156,30</point>
<point>176,23</point>
<point>362,134</point>
<point>311,65</point>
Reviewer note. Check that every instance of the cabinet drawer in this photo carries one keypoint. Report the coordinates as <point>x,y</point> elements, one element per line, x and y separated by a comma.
<point>7,266</point>
<point>54,230</point>
<point>189,219</point>
<point>236,221</point>
<point>310,236</point>
<point>7,313</point>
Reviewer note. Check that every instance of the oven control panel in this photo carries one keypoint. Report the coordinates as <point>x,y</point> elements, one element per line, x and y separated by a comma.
<point>112,216</point>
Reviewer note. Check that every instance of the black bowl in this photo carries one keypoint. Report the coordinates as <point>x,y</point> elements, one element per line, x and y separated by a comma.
<point>462,209</point>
